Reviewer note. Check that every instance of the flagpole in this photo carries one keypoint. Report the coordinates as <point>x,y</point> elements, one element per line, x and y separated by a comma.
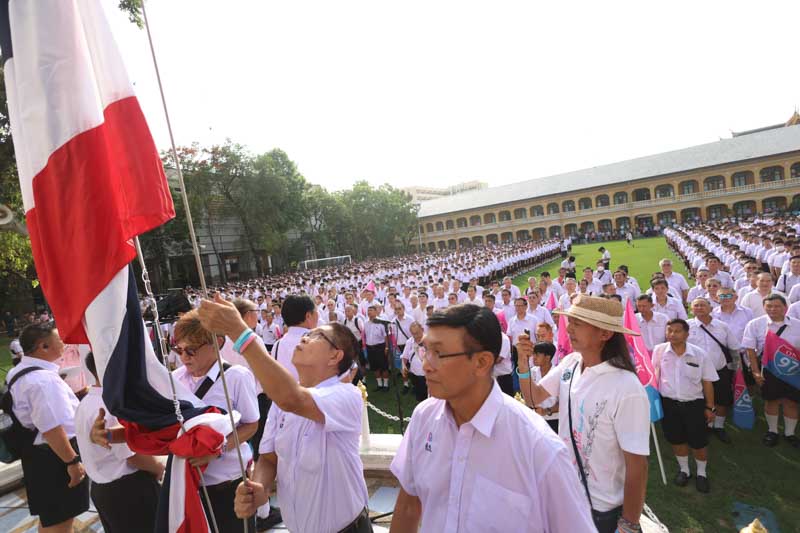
<point>196,251</point>
<point>658,453</point>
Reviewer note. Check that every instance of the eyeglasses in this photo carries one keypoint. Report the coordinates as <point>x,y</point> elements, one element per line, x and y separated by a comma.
<point>434,358</point>
<point>319,333</point>
<point>191,352</point>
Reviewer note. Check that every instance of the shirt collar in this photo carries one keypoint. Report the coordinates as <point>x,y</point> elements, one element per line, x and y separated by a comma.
<point>297,330</point>
<point>331,381</point>
<point>484,419</point>
<point>41,363</point>
<point>603,368</point>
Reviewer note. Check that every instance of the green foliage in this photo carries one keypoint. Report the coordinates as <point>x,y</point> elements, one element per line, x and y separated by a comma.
<point>134,10</point>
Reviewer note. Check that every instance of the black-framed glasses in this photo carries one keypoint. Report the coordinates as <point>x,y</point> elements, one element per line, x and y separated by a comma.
<point>311,334</point>
<point>191,352</point>
<point>434,358</point>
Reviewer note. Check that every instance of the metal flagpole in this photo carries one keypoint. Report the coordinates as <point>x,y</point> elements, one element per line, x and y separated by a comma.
<point>658,453</point>
<point>196,252</point>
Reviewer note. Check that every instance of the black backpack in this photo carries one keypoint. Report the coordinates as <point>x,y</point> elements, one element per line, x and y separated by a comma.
<point>14,437</point>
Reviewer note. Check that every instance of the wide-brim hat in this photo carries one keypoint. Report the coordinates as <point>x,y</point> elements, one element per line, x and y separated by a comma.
<point>600,312</point>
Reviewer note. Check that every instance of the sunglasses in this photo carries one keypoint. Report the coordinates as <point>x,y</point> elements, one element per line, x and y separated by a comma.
<point>191,352</point>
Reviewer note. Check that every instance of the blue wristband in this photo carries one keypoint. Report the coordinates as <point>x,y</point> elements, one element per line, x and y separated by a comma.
<point>525,375</point>
<point>242,339</point>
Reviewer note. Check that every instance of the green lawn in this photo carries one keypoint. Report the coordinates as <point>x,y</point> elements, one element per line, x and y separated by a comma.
<point>745,471</point>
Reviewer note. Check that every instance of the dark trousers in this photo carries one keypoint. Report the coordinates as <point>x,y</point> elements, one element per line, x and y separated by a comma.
<point>506,384</point>
<point>222,496</point>
<point>420,386</point>
<point>361,524</point>
<point>264,403</point>
<point>127,504</point>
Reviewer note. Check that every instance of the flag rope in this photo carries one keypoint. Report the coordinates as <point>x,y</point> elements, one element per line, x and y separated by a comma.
<point>198,261</point>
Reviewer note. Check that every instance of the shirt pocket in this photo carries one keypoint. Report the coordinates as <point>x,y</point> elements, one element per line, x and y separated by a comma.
<point>494,508</point>
<point>311,449</point>
<point>692,373</point>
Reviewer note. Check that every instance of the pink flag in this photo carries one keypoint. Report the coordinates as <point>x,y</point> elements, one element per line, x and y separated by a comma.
<point>564,346</point>
<point>371,287</point>
<point>641,355</point>
<point>551,302</point>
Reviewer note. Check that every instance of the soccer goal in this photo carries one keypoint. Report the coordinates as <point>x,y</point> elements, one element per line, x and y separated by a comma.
<point>325,262</point>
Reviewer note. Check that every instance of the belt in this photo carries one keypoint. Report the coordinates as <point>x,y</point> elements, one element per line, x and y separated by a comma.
<point>353,526</point>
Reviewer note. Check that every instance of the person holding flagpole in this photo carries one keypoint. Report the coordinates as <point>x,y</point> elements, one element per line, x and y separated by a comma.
<point>604,410</point>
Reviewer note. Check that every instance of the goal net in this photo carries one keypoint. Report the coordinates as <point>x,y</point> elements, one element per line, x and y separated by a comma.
<point>325,262</point>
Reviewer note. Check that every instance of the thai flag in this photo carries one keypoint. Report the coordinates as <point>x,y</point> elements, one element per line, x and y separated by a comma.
<point>643,362</point>
<point>92,180</point>
<point>743,415</point>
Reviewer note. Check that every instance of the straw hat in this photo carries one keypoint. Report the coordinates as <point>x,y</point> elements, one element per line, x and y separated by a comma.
<point>599,312</point>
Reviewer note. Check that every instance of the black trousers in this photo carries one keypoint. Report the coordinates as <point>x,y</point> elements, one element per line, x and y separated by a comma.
<point>506,384</point>
<point>264,403</point>
<point>361,524</point>
<point>420,386</point>
<point>127,504</point>
<point>222,496</point>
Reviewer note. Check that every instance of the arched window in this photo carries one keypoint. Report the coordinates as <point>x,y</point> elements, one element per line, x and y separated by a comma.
<point>771,174</point>
<point>620,198</point>
<point>439,226</point>
<point>713,183</point>
<point>742,178</point>
<point>489,218</point>
<point>795,171</point>
<point>567,206</point>
<point>475,220</point>
<point>505,216</point>
<point>537,211</point>
<point>585,203</point>
<point>688,187</point>
<point>641,195</point>
<point>461,222</point>
<point>520,212</point>
<point>450,224</point>
<point>601,201</point>
<point>429,227</point>
<point>665,191</point>
<point>552,208</point>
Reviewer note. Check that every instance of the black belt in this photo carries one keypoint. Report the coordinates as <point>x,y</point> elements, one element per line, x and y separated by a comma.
<point>361,521</point>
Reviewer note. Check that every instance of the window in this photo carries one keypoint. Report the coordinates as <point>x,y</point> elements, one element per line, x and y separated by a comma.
<point>688,187</point>
<point>713,183</point>
<point>771,174</point>
<point>620,198</point>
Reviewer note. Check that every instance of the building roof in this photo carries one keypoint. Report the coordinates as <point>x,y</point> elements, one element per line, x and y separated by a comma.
<point>754,145</point>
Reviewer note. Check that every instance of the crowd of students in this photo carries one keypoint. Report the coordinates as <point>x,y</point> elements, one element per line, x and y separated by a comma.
<point>466,340</point>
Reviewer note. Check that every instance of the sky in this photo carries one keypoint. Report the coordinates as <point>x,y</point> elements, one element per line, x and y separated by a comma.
<point>439,92</point>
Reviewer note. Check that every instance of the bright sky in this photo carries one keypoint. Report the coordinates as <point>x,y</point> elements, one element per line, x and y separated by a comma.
<point>437,92</point>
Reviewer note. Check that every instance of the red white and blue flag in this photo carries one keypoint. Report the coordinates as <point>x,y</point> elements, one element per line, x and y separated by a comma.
<point>644,363</point>
<point>782,359</point>
<point>91,181</point>
<point>743,414</point>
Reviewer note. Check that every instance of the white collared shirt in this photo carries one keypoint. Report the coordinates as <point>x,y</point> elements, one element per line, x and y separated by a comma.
<point>673,308</point>
<point>375,333</point>
<point>610,415</point>
<point>504,365</point>
<point>401,329</point>
<point>756,332</point>
<point>474,478</point>
<point>42,400</point>
<point>242,390</point>
<point>755,302</point>
<point>654,331</point>
<point>283,350</point>
<point>736,321</point>
<point>681,377</point>
<point>411,354</point>
<point>677,284</point>
<point>517,326</point>
<point>102,465</point>
<point>709,346</point>
<point>320,473</point>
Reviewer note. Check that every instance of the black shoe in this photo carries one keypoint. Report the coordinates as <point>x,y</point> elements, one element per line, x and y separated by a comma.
<point>405,390</point>
<point>722,435</point>
<point>702,484</point>
<point>682,479</point>
<point>377,389</point>
<point>274,518</point>
<point>770,439</point>
<point>793,441</point>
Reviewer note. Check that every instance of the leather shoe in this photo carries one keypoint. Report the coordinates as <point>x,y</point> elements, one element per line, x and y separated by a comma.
<point>793,441</point>
<point>770,439</point>
<point>702,484</point>
<point>274,518</point>
<point>682,479</point>
<point>722,435</point>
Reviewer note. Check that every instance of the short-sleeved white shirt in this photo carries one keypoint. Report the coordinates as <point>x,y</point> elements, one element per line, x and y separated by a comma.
<point>320,474</point>
<point>709,346</point>
<point>673,308</point>
<point>610,415</point>
<point>102,465</point>
<point>681,377</point>
<point>412,356</point>
<point>654,331</point>
<point>242,389</point>
<point>756,332</point>
<point>504,470</point>
<point>677,284</point>
<point>42,400</point>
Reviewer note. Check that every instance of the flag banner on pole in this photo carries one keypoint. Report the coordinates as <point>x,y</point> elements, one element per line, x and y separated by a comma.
<point>643,362</point>
<point>564,346</point>
<point>781,359</point>
<point>91,181</point>
<point>744,416</point>
<point>551,302</point>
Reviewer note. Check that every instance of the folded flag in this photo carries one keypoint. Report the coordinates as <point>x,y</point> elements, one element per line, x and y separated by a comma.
<point>781,359</point>
<point>743,414</point>
<point>643,362</point>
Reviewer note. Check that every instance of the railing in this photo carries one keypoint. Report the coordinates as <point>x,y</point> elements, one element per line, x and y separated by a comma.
<point>524,223</point>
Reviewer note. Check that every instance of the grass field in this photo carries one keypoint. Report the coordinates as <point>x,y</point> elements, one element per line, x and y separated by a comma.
<point>745,471</point>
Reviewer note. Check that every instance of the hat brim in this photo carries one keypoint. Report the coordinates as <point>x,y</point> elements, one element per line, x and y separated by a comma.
<point>608,326</point>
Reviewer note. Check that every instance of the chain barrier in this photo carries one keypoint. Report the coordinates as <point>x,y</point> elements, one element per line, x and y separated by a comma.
<point>384,414</point>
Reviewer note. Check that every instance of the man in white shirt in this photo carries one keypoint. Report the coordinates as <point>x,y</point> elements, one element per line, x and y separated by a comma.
<point>300,316</point>
<point>754,300</point>
<point>663,303</point>
<point>457,443</point>
<point>713,264</point>
<point>375,332</point>
<point>776,393</point>
<point>604,410</point>
<point>200,374</point>
<point>412,362</point>
<point>791,279</point>
<point>521,321</point>
<point>507,284</point>
<point>699,290</point>
<point>401,333</point>
<point>716,341</point>
<point>124,484</point>
<point>685,375</point>
<point>55,480</point>
<point>625,290</point>
<point>270,332</point>
<point>677,283</point>
<point>16,350</point>
<point>652,325</point>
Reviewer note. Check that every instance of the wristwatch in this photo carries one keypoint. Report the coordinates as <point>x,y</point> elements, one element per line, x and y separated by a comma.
<point>548,411</point>
<point>75,460</point>
<point>712,409</point>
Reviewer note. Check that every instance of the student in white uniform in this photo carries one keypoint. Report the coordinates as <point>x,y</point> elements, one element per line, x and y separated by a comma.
<point>312,439</point>
<point>412,362</point>
<point>605,413</point>
<point>685,376</point>
<point>541,365</point>
<point>16,350</point>
<point>300,316</point>
<point>652,325</point>
<point>458,443</point>
<point>200,374</point>
<point>55,479</point>
<point>124,484</point>
<point>401,332</point>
